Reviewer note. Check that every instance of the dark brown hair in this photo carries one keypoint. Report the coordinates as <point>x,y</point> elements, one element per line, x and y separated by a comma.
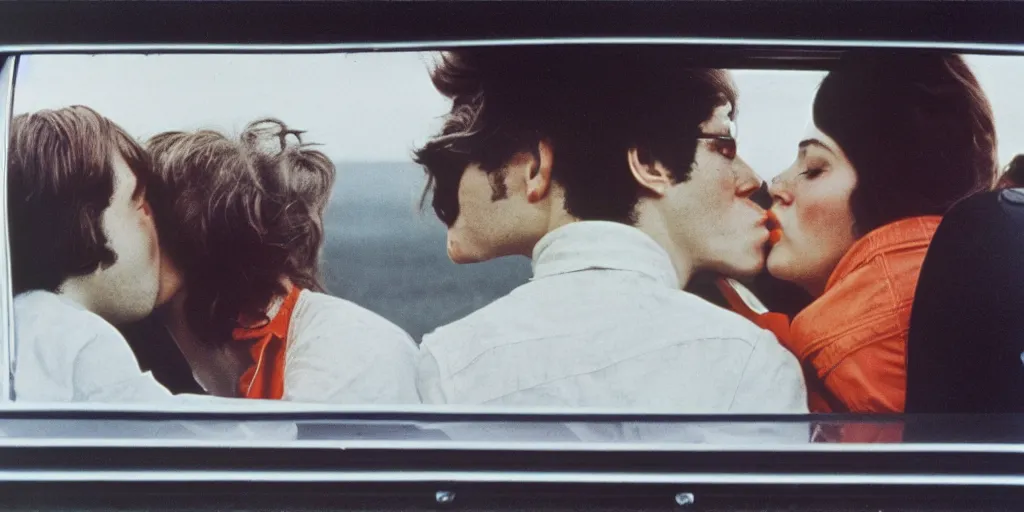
<point>304,173</point>
<point>592,103</point>
<point>1013,175</point>
<point>60,180</point>
<point>917,128</point>
<point>232,228</point>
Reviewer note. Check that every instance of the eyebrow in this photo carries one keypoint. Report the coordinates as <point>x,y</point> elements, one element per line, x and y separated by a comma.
<point>814,142</point>
<point>730,132</point>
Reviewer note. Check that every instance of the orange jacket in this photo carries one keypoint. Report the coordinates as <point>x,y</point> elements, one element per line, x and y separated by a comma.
<point>852,340</point>
<point>854,337</point>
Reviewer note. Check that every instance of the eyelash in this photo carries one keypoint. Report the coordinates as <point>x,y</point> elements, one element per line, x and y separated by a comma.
<point>812,173</point>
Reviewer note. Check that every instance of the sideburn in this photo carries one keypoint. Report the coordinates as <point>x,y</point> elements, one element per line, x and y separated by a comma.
<point>498,188</point>
<point>497,178</point>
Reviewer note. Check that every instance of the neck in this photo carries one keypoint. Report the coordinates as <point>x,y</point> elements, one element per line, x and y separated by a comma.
<point>655,226</point>
<point>815,288</point>
<point>217,365</point>
<point>170,280</point>
<point>76,290</point>
<point>555,217</point>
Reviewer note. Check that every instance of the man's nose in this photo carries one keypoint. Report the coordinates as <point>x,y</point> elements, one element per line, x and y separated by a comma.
<point>747,181</point>
<point>762,197</point>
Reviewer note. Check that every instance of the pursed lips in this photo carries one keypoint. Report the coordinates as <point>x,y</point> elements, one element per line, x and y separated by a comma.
<point>774,227</point>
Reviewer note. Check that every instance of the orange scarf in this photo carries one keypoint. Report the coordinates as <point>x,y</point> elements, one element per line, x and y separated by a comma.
<point>265,378</point>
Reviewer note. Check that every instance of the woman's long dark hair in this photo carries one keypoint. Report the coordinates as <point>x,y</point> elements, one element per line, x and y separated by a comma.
<point>917,128</point>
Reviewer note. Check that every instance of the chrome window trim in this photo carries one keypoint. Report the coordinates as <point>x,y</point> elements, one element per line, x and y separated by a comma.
<point>136,475</point>
<point>7,356</point>
<point>998,48</point>
<point>102,421</point>
<point>499,446</point>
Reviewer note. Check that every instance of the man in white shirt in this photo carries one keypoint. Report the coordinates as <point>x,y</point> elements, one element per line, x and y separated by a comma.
<point>616,171</point>
<point>83,255</point>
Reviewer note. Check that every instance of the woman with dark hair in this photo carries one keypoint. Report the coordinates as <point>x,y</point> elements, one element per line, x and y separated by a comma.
<point>241,223</point>
<point>896,140</point>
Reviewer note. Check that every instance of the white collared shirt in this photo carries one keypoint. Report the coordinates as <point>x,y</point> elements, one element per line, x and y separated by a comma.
<point>338,353</point>
<point>341,353</point>
<point>66,353</point>
<point>604,324</point>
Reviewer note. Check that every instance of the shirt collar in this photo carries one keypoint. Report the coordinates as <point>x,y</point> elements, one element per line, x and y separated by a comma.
<point>589,245</point>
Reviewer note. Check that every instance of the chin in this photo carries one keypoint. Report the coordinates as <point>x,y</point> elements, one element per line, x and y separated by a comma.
<point>739,268</point>
<point>464,260</point>
<point>750,264</point>
<point>747,269</point>
<point>462,257</point>
<point>778,267</point>
<point>464,250</point>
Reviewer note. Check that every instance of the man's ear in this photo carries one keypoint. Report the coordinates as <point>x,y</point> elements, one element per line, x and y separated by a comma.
<point>538,179</point>
<point>648,172</point>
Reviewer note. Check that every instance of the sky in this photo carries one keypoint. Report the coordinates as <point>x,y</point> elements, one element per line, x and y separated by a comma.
<point>378,106</point>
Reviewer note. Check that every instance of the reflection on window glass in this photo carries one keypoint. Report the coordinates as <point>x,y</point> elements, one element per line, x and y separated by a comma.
<point>7,66</point>
<point>566,227</point>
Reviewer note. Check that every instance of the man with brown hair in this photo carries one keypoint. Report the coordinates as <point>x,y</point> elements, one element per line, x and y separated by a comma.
<point>240,294</point>
<point>84,255</point>
<point>616,171</point>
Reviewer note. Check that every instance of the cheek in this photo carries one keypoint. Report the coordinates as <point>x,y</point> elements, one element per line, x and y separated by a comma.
<point>710,191</point>
<point>132,234</point>
<point>152,237</point>
<point>715,175</point>
<point>116,226</point>
<point>815,217</point>
<point>148,225</point>
<point>140,228</point>
<point>821,234</point>
<point>826,219</point>
<point>477,213</point>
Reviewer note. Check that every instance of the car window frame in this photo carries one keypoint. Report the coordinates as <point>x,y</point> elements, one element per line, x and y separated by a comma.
<point>8,72</point>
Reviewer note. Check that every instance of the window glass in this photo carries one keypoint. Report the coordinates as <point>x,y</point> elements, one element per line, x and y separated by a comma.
<point>565,228</point>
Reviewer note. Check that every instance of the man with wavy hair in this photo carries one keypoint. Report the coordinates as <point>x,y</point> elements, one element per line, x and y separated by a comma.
<point>616,171</point>
<point>242,228</point>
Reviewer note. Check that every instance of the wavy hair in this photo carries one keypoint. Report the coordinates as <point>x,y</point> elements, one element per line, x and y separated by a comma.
<point>305,175</point>
<point>593,104</point>
<point>235,223</point>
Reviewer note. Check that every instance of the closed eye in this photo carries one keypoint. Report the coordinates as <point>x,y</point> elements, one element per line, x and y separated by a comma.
<point>812,173</point>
